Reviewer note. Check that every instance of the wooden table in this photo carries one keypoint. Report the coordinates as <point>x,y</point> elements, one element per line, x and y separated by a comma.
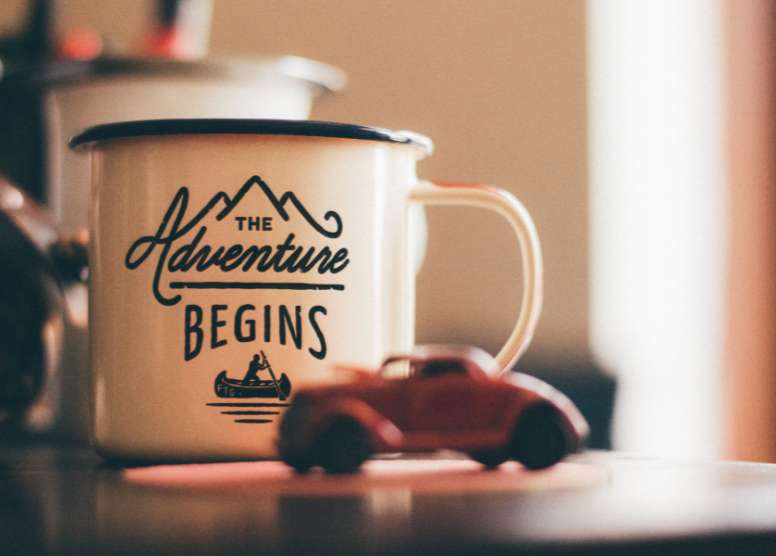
<point>60,502</point>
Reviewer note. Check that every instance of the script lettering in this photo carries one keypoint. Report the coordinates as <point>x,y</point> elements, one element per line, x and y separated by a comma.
<point>176,255</point>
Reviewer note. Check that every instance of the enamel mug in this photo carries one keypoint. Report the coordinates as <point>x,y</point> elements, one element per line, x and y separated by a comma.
<point>234,261</point>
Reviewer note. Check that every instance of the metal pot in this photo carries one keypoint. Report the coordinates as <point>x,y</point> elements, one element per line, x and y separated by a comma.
<point>31,309</point>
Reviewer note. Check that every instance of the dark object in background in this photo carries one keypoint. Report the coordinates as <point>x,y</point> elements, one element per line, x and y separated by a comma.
<point>69,256</point>
<point>22,135</point>
<point>590,388</point>
<point>181,30</point>
<point>35,43</point>
<point>29,299</point>
<point>37,269</point>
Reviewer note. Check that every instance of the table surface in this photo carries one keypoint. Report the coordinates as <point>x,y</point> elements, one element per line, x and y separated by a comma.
<point>62,502</point>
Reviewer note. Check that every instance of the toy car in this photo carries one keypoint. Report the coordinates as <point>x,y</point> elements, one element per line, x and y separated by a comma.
<point>448,397</point>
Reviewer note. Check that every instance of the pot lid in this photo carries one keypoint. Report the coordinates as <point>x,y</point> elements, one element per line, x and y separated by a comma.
<point>322,77</point>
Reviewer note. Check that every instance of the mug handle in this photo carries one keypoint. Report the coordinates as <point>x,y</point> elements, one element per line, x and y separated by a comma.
<point>503,202</point>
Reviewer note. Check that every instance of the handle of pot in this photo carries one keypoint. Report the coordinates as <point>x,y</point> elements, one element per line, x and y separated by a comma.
<point>504,203</point>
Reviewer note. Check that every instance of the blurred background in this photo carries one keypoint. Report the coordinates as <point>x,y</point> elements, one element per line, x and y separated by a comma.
<point>638,134</point>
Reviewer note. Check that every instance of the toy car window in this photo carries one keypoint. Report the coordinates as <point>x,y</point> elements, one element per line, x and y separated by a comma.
<point>395,369</point>
<point>438,368</point>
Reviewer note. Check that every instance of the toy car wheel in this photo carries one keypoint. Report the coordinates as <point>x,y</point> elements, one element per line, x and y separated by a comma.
<point>490,458</point>
<point>299,462</point>
<point>293,447</point>
<point>539,439</point>
<point>344,446</point>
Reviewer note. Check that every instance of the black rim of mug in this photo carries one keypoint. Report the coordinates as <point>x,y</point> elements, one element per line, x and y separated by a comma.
<point>307,128</point>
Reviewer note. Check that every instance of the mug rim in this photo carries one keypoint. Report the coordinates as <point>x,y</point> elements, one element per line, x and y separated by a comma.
<point>220,126</point>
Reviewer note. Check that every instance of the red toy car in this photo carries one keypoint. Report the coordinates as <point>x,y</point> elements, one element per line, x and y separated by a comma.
<point>451,398</point>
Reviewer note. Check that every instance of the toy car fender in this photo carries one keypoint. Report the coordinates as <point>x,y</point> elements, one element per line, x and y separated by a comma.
<point>384,435</point>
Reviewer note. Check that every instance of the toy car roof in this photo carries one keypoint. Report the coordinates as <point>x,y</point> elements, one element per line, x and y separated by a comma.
<point>440,353</point>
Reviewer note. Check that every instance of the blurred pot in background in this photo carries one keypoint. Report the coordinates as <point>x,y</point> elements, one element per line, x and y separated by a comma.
<point>78,95</point>
<point>31,308</point>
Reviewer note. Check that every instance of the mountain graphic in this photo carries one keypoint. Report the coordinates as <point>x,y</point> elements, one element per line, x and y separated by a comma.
<point>278,204</point>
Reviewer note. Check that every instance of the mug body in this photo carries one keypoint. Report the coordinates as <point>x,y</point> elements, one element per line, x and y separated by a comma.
<point>229,268</point>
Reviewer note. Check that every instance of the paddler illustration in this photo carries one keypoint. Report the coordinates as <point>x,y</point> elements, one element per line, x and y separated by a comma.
<point>255,366</point>
<point>252,386</point>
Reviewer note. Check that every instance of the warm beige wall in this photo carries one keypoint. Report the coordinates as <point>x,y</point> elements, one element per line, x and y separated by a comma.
<point>499,85</point>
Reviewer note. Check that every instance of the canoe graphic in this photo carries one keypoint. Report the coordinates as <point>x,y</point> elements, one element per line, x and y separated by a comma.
<point>226,387</point>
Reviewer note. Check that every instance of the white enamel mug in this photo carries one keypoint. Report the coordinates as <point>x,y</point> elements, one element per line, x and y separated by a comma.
<point>234,261</point>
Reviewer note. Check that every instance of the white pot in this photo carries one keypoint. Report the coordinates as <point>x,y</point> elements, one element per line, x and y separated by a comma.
<point>84,94</point>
